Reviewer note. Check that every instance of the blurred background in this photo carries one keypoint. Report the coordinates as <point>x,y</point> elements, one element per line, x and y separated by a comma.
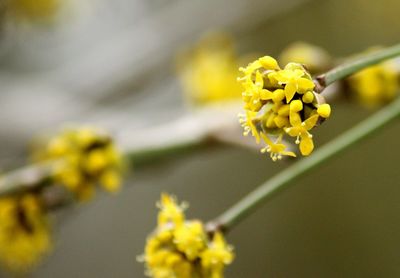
<point>112,63</point>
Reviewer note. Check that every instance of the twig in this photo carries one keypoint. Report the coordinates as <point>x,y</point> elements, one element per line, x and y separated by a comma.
<point>276,184</point>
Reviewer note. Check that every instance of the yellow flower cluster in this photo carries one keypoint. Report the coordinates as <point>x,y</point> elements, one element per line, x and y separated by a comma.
<point>280,102</point>
<point>24,232</point>
<point>181,248</point>
<point>376,85</point>
<point>86,156</point>
<point>33,9</point>
<point>208,72</point>
<point>316,58</point>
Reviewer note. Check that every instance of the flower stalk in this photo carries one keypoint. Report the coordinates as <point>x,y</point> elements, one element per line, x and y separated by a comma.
<point>356,65</point>
<point>282,180</point>
<point>38,175</point>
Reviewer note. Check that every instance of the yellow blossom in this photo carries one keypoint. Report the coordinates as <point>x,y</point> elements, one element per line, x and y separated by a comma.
<point>85,157</point>
<point>170,211</point>
<point>376,85</point>
<point>208,72</point>
<point>300,130</point>
<point>279,102</point>
<point>217,255</point>
<point>34,9</point>
<point>248,123</point>
<point>24,233</point>
<point>295,79</point>
<point>181,248</point>
<point>190,239</point>
<point>276,149</point>
<point>315,58</point>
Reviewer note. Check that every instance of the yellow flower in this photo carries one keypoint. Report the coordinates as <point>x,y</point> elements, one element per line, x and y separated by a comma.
<point>276,149</point>
<point>316,58</point>
<point>300,130</point>
<point>255,94</point>
<point>278,102</point>
<point>86,156</point>
<point>181,248</point>
<point>208,72</point>
<point>190,239</point>
<point>376,85</point>
<point>248,123</point>
<point>295,79</point>
<point>217,255</point>
<point>24,233</point>
<point>34,9</point>
<point>170,211</point>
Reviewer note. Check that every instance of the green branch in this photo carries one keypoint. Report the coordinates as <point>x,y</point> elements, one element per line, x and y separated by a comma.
<point>35,176</point>
<point>357,64</point>
<point>283,179</point>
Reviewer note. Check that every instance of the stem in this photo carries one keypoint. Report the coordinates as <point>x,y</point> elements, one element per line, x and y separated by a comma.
<point>26,178</point>
<point>264,192</point>
<point>357,64</point>
<point>34,176</point>
<point>185,134</point>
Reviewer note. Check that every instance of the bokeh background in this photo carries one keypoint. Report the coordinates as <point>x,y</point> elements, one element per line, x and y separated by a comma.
<point>111,63</point>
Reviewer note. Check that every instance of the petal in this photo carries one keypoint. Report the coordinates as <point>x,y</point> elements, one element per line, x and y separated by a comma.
<point>266,95</point>
<point>310,122</point>
<point>292,154</point>
<point>294,132</point>
<point>306,144</point>
<point>268,63</point>
<point>290,90</point>
<point>295,119</point>
<point>305,84</point>
<point>298,73</point>
<point>259,80</point>
<point>266,139</point>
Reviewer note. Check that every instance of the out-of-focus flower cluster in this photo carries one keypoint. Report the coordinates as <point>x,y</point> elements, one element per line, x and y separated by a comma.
<point>376,85</point>
<point>208,71</point>
<point>32,10</point>
<point>181,248</point>
<point>24,232</point>
<point>85,157</point>
<point>280,102</point>
<point>315,58</point>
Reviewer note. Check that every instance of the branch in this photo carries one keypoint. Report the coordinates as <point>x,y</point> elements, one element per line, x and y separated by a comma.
<point>282,180</point>
<point>356,65</point>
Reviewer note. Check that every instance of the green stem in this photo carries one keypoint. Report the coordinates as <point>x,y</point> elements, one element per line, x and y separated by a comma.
<point>358,64</point>
<point>280,181</point>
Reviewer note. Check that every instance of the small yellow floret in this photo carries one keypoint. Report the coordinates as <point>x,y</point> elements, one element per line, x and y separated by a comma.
<point>190,239</point>
<point>24,233</point>
<point>296,106</point>
<point>85,157</point>
<point>269,63</point>
<point>308,97</point>
<point>170,211</point>
<point>324,110</point>
<point>181,248</point>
